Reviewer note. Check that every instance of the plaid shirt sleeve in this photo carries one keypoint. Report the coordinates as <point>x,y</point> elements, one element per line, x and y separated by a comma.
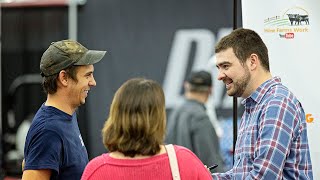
<point>222,176</point>
<point>279,124</point>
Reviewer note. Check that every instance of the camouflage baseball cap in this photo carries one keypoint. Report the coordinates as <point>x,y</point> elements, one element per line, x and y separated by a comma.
<point>62,54</point>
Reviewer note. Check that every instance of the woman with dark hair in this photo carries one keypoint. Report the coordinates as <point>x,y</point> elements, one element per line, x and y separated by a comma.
<point>134,135</point>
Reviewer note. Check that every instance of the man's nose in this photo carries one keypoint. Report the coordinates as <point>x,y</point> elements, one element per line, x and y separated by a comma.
<point>221,75</point>
<point>92,82</point>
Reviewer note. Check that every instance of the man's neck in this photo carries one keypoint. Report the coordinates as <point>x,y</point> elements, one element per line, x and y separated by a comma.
<point>256,81</point>
<point>200,97</point>
<point>60,102</point>
<point>263,77</point>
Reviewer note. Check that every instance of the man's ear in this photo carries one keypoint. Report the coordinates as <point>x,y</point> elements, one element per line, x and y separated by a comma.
<point>253,61</point>
<point>63,78</point>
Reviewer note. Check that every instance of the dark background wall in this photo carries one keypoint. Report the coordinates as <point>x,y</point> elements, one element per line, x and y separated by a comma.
<point>138,36</point>
<point>25,35</point>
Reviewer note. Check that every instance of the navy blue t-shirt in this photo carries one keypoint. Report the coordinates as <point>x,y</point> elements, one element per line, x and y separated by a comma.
<point>54,142</point>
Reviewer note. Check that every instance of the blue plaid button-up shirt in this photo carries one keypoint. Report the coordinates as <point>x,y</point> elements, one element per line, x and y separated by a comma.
<point>272,138</point>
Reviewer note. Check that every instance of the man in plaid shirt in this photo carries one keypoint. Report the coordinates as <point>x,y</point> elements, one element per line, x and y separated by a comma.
<point>272,141</point>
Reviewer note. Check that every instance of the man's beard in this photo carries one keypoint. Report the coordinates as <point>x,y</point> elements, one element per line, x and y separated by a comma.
<point>240,86</point>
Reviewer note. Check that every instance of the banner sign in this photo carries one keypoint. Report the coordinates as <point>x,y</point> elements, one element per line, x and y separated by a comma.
<point>290,30</point>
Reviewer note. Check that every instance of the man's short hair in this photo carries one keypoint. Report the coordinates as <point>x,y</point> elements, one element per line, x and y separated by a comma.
<point>244,42</point>
<point>49,83</point>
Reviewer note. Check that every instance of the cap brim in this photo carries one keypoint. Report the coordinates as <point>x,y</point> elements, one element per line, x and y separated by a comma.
<point>91,57</point>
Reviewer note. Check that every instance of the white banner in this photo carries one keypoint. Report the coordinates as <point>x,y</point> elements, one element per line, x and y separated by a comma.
<point>291,31</point>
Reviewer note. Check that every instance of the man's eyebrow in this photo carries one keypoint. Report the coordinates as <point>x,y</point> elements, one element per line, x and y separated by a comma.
<point>88,73</point>
<point>223,63</point>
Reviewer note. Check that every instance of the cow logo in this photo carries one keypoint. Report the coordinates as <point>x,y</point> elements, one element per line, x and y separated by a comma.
<point>289,23</point>
<point>297,16</point>
<point>297,19</point>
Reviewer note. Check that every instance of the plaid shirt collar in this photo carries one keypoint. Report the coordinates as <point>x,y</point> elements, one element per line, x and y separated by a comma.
<point>260,92</point>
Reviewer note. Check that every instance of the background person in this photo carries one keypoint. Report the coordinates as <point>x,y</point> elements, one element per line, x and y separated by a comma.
<point>190,126</point>
<point>272,141</point>
<point>134,134</point>
<point>54,148</point>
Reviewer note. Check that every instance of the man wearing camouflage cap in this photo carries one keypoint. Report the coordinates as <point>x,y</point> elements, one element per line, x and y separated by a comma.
<point>54,148</point>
